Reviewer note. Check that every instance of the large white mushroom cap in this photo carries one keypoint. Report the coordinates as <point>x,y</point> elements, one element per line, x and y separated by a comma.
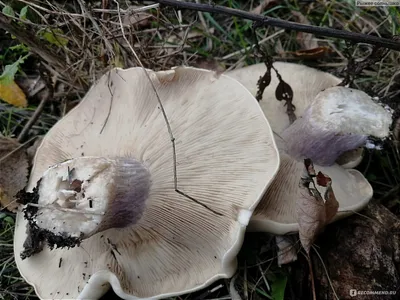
<point>226,158</point>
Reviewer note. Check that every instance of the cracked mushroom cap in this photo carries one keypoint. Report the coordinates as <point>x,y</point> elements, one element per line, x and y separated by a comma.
<point>305,82</point>
<point>226,158</point>
<point>276,212</point>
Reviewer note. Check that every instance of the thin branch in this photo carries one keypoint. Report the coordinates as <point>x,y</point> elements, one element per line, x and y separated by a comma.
<point>17,149</point>
<point>33,119</point>
<point>39,109</point>
<point>354,68</point>
<point>172,138</point>
<point>267,21</point>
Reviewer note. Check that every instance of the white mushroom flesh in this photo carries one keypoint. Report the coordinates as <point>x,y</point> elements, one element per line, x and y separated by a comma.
<point>78,197</point>
<point>63,209</point>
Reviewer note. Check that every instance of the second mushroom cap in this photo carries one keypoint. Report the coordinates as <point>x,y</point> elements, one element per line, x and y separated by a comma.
<point>330,120</point>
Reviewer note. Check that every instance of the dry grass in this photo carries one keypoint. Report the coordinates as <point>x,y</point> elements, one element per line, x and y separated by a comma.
<point>87,41</point>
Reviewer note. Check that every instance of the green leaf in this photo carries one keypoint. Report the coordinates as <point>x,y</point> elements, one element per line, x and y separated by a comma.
<point>55,37</point>
<point>278,287</point>
<point>19,47</point>
<point>8,10</point>
<point>9,220</point>
<point>7,77</point>
<point>23,12</point>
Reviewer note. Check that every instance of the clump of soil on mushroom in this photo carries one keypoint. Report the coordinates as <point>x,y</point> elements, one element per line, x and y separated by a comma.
<point>38,237</point>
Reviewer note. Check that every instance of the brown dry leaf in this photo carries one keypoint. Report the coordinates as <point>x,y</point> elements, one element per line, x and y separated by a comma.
<point>313,213</point>
<point>314,53</point>
<point>310,210</point>
<point>13,94</point>
<point>323,180</point>
<point>137,19</point>
<point>287,252</point>
<point>263,5</point>
<point>14,172</point>
<point>306,40</point>
<point>331,204</point>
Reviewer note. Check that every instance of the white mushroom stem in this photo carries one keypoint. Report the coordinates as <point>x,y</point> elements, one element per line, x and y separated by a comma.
<point>87,195</point>
<point>338,120</point>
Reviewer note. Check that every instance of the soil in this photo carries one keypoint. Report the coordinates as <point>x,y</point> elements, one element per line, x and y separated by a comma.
<point>360,253</point>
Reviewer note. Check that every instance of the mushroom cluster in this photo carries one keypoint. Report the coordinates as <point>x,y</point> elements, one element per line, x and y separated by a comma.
<point>332,126</point>
<point>149,184</point>
<point>102,208</point>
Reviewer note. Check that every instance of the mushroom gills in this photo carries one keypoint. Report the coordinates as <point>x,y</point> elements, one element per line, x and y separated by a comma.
<point>83,196</point>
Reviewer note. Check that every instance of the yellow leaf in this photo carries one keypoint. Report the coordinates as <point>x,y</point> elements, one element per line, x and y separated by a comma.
<point>12,94</point>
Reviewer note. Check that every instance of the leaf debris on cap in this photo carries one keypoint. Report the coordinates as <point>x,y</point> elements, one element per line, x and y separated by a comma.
<point>314,212</point>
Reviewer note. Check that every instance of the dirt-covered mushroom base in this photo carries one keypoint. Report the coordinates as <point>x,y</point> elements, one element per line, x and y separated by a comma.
<point>37,237</point>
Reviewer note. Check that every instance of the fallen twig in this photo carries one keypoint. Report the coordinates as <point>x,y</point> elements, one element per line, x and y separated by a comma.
<point>267,21</point>
<point>39,109</point>
<point>33,119</point>
<point>354,68</point>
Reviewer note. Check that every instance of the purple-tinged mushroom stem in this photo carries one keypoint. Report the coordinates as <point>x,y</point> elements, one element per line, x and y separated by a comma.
<point>339,119</point>
<point>302,140</point>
